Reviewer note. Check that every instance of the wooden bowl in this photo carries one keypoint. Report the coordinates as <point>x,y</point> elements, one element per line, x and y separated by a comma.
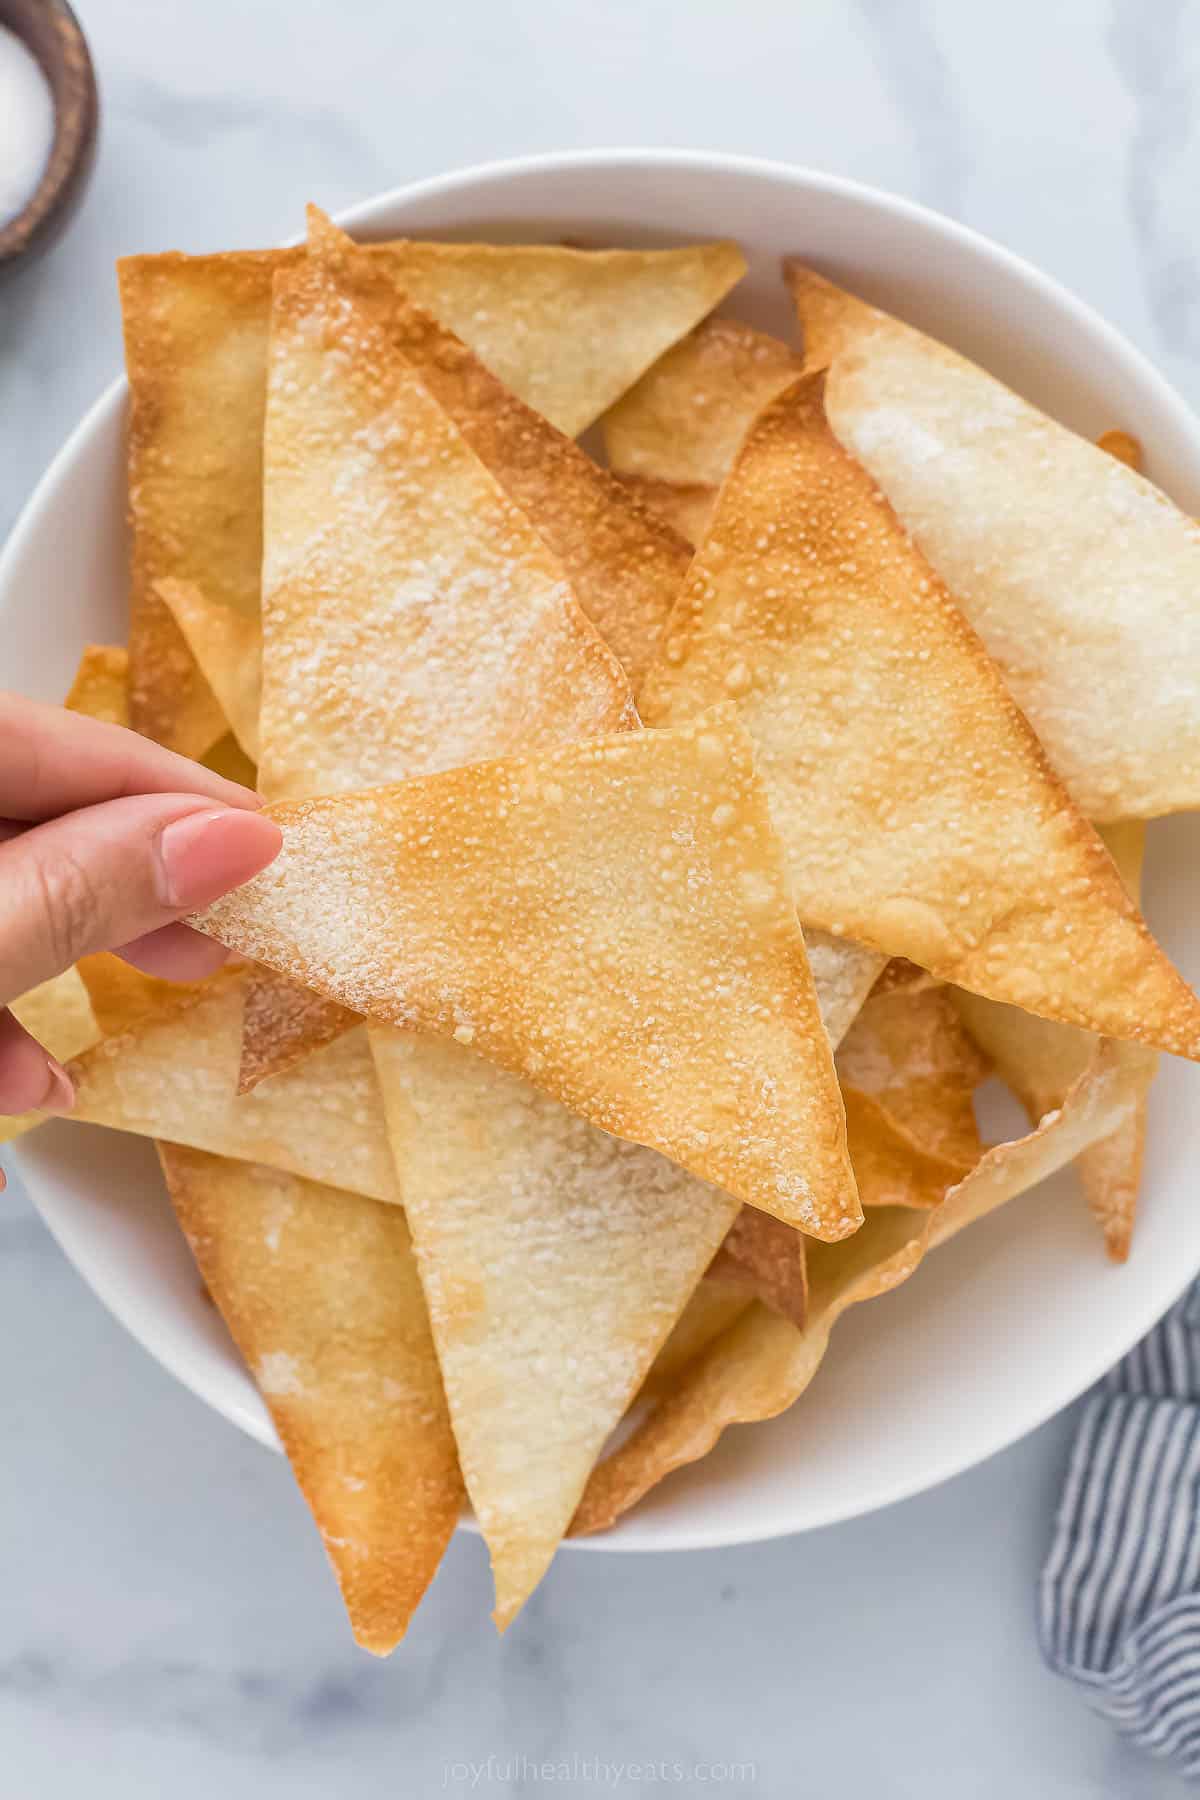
<point>51,31</point>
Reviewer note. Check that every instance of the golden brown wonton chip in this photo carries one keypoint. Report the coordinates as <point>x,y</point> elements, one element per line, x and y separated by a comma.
<point>907,1050</point>
<point>173,1074</point>
<point>319,1289</point>
<point>227,646</point>
<point>555,1260</point>
<point>892,1166</point>
<point>763,1364</point>
<point>1078,574</point>
<point>100,688</point>
<point>623,564</point>
<point>1039,1060</point>
<point>1124,446</point>
<point>611,920</point>
<point>195,355</point>
<point>917,808</point>
<point>684,421</point>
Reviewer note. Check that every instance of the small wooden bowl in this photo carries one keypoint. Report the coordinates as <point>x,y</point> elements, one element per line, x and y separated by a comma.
<point>51,31</point>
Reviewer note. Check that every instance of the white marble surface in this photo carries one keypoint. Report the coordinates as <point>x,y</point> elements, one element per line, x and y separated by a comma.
<point>167,1624</point>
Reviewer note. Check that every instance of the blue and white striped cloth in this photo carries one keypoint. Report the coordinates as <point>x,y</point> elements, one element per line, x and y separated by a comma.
<point>1120,1592</point>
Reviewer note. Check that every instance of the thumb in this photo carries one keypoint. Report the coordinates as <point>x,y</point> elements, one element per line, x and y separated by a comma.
<point>107,874</point>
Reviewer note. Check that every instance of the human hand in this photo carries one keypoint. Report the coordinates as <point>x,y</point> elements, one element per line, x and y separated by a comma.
<point>106,841</point>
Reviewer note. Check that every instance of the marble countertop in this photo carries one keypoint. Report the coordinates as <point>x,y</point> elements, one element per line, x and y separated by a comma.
<point>167,1621</point>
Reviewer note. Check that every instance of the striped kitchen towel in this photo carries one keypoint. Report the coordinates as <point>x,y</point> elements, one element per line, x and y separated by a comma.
<point>1120,1592</point>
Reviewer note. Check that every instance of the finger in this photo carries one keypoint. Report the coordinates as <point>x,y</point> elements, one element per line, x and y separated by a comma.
<point>30,1079</point>
<point>56,761</point>
<point>113,873</point>
<point>175,953</point>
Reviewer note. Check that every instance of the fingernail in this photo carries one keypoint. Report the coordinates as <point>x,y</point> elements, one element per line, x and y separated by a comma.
<point>59,1096</point>
<point>205,854</point>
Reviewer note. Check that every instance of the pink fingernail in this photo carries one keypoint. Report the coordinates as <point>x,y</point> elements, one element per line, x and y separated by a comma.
<point>60,1094</point>
<point>205,854</point>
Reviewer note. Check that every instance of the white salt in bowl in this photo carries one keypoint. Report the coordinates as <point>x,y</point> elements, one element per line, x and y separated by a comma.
<point>1012,1320</point>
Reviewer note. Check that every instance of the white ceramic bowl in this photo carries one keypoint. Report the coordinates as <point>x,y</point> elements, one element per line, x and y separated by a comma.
<point>1011,1321</point>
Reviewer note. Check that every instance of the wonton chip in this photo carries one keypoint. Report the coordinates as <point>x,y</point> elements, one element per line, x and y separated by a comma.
<point>763,1364</point>
<point>555,1260</point>
<point>685,419</point>
<point>711,1310</point>
<point>173,1074</point>
<point>319,1290</point>
<point>412,617</point>
<point>1039,1060</point>
<point>1079,575</point>
<point>907,1049</point>
<point>686,509</point>
<point>892,1166</point>
<point>611,920</point>
<point>567,330</point>
<point>227,647</point>
<point>918,811</point>
<point>100,688</point>
<point>195,354</point>
<point>767,1260</point>
<point>624,566</point>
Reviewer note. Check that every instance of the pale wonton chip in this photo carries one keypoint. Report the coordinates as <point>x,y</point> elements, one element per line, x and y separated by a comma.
<point>1039,1060</point>
<point>624,565</point>
<point>282,1023</point>
<point>611,920</point>
<point>919,813</point>
<point>907,1050</point>
<point>59,1015</point>
<point>763,1363</point>
<point>1079,575</point>
<point>320,1292</point>
<point>767,1260</point>
<point>685,419</point>
<point>555,1260</point>
<point>173,1074</point>
<point>567,330</point>
<point>100,688</point>
<point>227,646</point>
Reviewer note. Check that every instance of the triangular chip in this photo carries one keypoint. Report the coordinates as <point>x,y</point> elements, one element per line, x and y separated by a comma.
<point>685,419</point>
<point>320,1291</point>
<point>282,1023</point>
<point>768,1260</point>
<point>711,1310</point>
<point>919,814</point>
<point>1080,577</point>
<point>892,1166</point>
<point>173,1075</point>
<point>227,646</point>
<point>101,685</point>
<point>611,920</point>
<point>1039,1060</point>
<point>555,1260</point>
<point>567,330</point>
<point>623,564</point>
<point>763,1363</point>
<point>908,1050</point>
<point>195,355</point>
<point>412,617</point>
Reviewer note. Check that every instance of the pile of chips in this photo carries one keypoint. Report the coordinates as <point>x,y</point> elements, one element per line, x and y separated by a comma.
<point>671,849</point>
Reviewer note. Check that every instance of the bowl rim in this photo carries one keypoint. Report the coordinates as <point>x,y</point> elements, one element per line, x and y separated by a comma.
<point>1111,344</point>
